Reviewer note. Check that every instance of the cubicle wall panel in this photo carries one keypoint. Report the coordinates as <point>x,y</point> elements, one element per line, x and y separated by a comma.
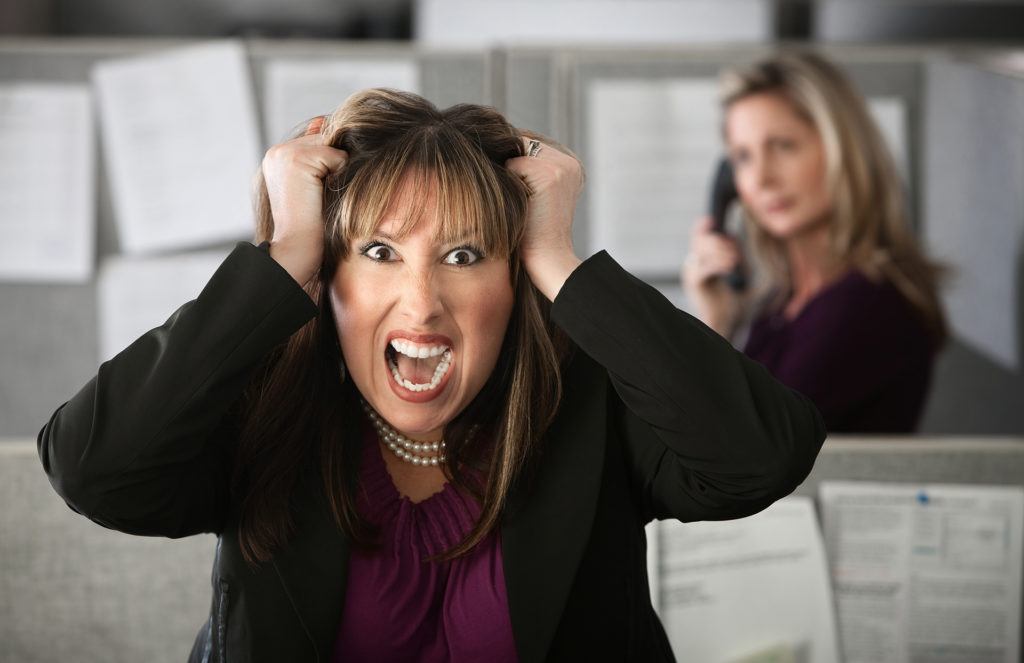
<point>956,460</point>
<point>529,99</point>
<point>453,78</point>
<point>974,210</point>
<point>71,590</point>
<point>49,338</point>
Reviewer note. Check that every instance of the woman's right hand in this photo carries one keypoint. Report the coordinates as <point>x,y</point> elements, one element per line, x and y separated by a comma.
<point>711,256</point>
<point>294,172</point>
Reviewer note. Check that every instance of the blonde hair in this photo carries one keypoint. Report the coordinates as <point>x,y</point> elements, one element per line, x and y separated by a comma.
<point>869,227</point>
<point>460,152</point>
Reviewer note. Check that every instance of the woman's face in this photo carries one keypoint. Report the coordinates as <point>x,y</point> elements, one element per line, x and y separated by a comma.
<point>779,163</point>
<point>420,323</point>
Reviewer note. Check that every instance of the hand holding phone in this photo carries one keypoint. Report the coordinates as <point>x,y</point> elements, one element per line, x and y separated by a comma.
<point>713,276</point>
<point>723,195</point>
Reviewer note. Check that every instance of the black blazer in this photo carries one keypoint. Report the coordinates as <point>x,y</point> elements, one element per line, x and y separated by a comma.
<point>661,418</point>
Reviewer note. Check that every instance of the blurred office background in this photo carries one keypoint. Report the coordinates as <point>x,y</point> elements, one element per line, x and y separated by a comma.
<point>945,77</point>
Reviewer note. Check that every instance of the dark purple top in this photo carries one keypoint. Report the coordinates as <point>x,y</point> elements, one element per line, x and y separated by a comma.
<point>399,608</point>
<point>858,349</point>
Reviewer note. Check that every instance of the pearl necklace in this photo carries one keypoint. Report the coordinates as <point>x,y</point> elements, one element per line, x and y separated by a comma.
<point>417,453</point>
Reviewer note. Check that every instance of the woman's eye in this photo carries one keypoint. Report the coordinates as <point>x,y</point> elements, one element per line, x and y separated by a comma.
<point>379,252</point>
<point>739,158</point>
<point>462,256</point>
<point>785,144</point>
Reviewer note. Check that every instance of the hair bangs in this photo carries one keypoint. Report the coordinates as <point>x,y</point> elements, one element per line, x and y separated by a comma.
<point>475,201</point>
<point>371,193</point>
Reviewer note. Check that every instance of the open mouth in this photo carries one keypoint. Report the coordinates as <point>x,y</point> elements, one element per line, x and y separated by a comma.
<point>418,367</point>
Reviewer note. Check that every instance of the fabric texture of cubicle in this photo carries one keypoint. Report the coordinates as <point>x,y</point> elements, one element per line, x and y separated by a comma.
<point>974,222</point>
<point>71,590</point>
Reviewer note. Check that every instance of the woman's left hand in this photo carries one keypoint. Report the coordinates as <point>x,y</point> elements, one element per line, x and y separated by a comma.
<point>555,180</point>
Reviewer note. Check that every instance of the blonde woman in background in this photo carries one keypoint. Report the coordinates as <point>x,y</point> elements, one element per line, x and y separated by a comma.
<point>847,310</point>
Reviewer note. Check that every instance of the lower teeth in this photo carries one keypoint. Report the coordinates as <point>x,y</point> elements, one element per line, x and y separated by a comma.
<point>442,368</point>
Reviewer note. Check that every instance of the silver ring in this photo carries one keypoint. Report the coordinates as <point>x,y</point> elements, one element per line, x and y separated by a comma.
<point>533,149</point>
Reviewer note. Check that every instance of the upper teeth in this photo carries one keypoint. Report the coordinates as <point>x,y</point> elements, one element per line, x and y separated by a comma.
<point>416,351</point>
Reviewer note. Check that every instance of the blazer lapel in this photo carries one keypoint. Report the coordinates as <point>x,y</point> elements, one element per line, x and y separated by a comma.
<point>314,567</point>
<point>547,526</point>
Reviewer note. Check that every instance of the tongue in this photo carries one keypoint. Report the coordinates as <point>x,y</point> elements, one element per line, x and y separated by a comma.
<point>417,371</point>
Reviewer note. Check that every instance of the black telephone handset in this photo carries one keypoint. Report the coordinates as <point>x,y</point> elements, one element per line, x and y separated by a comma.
<point>723,195</point>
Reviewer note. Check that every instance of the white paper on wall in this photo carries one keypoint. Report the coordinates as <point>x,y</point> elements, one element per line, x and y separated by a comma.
<point>890,113</point>
<point>137,294</point>
<point>298,90</point>
<point>925,572</point>
<point>47,182</point>
<point>652,148</point>
<point>750,589</point>
<point>181,145</point>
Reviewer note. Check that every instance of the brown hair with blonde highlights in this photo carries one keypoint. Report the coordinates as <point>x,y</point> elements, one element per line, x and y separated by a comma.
<point>300,415</point>
<point>869,226</point>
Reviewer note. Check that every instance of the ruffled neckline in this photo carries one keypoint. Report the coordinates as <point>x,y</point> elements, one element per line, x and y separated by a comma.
<point>441,519</point>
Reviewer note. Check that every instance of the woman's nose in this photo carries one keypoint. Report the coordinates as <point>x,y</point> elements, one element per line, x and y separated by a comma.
<point>764,170</point>
<point>421,297</point>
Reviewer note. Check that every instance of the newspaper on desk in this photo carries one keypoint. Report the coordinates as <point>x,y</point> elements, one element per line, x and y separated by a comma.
<point>753,590</point>
<point>925,572</point>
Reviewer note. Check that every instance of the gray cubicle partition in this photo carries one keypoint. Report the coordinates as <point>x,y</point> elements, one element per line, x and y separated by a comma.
<point>48,332</point>
<point>73,591</point>
<point>974,222</point>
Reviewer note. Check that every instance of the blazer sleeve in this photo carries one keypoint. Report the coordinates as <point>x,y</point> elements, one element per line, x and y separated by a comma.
<point>709,433</point>
<point>144,447</point>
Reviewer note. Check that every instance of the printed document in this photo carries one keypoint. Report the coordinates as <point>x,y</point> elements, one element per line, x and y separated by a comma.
<point>181,145</point>
<point>652,147</point>
<point>47,183</point>
<point>925,572</point>
<point>753,589</point>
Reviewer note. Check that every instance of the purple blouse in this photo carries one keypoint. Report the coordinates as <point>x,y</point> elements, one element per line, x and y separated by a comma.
<point>399,608</point>
<point>858,349</point>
